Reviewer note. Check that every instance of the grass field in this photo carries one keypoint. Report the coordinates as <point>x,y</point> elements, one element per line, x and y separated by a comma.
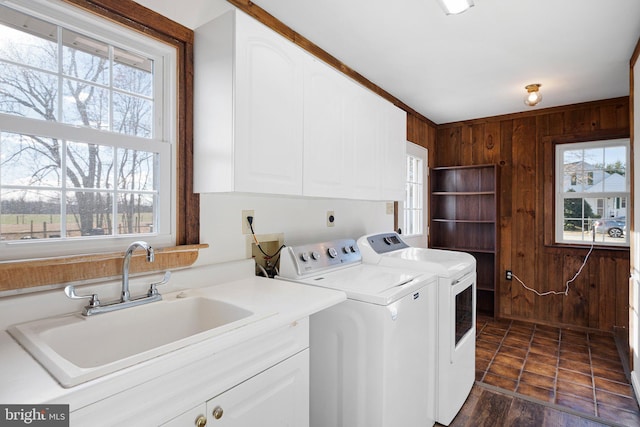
<point>38,226</point>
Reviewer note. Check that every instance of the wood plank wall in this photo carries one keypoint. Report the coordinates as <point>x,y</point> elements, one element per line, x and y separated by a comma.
<point>598,298</point>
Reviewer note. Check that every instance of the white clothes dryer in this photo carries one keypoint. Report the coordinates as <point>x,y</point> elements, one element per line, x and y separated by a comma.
<point>456,319</point>
<point>372,357</point>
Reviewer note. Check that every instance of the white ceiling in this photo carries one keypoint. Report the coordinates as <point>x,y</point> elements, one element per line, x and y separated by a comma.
<point>465,66</point>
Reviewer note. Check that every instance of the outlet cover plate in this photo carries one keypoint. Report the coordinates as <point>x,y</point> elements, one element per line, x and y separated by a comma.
<point>390,208</point>
<point>331,219</point>
<point>245,224</point>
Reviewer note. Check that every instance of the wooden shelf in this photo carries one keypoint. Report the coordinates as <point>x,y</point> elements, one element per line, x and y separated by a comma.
<point>464,217</point>
<point>469,221</point>
<point>463,193</point>
<point>463,249</point>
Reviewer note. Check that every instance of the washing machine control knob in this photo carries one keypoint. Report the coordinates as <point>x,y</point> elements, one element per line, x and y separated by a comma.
<point>315,256</point>
<point>304,257</point>
<point>332,252</point>
<point>346,249</point>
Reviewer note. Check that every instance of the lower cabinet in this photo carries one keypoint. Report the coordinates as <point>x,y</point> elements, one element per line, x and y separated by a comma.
<point>276,397</point>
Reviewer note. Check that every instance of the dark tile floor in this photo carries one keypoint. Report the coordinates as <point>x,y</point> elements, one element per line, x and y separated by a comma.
<point>577,370</point>
<point>490,407</point>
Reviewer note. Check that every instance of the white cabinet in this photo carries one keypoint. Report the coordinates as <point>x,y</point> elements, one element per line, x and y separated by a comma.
<point>363,135</point>
<point>354,140</point>
<point>196,416</point>
<point>271,118</point>
<point>328,159</point>
<point>393,168</point>
<point>248,104</point>
<point>276,397</point>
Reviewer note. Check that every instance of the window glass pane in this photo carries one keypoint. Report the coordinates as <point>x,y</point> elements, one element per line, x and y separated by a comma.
<point>29,214</point>
<point>132,115</point>
<point>89,213</point>
<point>89,166</point>
<point>85,104</point>
<point>577,221</point>
<point>136,213</point>
<point>27,40</point>
<point>136,171</point>
<point>133,73</point>
<point>593,158</point>
<point>85,58</point>
<point>27,92</point>
<point>29,160</point>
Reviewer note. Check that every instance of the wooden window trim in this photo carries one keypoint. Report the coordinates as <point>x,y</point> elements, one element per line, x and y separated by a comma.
<point>31,273</point>
<point>549,149</point>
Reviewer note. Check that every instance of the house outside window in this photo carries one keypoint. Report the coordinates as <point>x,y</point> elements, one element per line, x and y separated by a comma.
<point>592,188</point>
<point>87,135</point>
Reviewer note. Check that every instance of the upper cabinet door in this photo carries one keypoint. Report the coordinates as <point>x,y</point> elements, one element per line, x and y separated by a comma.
<point>393,171</point>
<point>247,108</point>
<point>268,110</point>
<point>327,157</point>
<point>363,135</point>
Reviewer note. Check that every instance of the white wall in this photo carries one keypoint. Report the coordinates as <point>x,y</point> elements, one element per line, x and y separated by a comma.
<point>302,220</point>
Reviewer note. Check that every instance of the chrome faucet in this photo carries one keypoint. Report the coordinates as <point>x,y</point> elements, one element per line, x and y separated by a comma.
<point>125,265</point>
<point>96,307</point>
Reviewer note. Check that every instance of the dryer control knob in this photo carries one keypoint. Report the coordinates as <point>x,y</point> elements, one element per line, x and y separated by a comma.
<point>304,257</point>
<point>315,256</point>
<point>346,250</point>
<point>332,252</point>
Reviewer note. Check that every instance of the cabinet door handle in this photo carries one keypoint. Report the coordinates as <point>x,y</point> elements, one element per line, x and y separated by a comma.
<point>217,412</point>
<point>201,421</point>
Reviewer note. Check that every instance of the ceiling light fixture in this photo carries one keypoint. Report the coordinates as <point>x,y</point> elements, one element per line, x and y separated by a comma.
<point>533,94</point>
<point>453,7</point>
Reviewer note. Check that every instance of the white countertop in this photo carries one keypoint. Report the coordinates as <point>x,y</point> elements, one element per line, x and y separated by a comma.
<point>276,303</point>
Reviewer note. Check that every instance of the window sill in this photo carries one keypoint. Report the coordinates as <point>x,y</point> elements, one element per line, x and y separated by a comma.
<point>586,246</point>
<point>18,275</point>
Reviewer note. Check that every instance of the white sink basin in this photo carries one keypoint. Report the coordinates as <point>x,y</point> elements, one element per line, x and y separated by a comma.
<point>75,348</point>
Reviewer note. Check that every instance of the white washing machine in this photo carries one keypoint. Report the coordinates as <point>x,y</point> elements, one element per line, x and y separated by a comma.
<point>456,319</point>
<point>372,357</point>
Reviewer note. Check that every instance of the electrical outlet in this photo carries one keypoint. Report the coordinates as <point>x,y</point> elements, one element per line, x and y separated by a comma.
<point>390,208</point>
<point>331,219</point>
<point>245,224</point>
<point>508,275</point>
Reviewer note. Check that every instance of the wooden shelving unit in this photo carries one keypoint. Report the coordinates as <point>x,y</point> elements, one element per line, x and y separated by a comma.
<point>464,213</point>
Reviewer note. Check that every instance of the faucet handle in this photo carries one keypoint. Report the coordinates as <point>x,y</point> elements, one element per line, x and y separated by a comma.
<point>70,291</point>
<point>153,288</point>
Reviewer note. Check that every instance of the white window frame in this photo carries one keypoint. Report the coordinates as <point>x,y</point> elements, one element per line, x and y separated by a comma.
<point>163,141</point>
<point>416,239</point>
<point>561,194</point>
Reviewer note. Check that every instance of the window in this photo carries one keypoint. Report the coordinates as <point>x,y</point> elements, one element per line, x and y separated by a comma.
<point>592,188</point>
<point>87,133</point>
<point>412,211</point>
